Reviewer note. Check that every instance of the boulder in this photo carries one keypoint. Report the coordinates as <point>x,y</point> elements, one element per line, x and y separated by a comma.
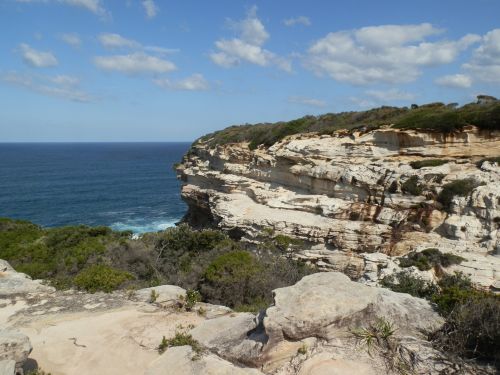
<point>327,305</point>
<point>324,364</point>
<point>14,346</point>
<point>14,283</point>
<point>228,336</point>
<point>8,367</point>
<point>182,360</point>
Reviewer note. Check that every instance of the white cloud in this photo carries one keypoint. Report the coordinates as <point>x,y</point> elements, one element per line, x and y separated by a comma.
<point>196,82</point>
<point>151,8</point>
<point>455,81</point>
<point>135,63</point>
<point>72,39</point>
<point>391,95</point>
<point>248,46</point>
<point>311,102</point>
<point>64,80</point>
<point>485,62</point>
<point>37,59</point>
<point>161,50</point>
<point>110,40</point>
<point>387,53</point>
<point>64,87</point>
<point>300,20</point>
<point>94,6</point>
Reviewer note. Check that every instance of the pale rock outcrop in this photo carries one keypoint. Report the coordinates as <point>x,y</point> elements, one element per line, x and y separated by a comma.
<point>14,346</point>
<point>325,305</point>
<point>345,196</point>
<point>166,295</point>
<point>7,367</point>
<point>228,336</point>
<point>12,282</point>
<point>179,360</point>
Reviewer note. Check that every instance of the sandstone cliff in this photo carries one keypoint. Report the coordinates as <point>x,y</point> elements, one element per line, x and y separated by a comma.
<point>353,198</point>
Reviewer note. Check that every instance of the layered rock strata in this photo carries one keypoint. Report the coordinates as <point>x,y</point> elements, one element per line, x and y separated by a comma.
<point>352,195</point>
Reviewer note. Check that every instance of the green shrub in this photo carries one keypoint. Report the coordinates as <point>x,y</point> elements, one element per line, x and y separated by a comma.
<point>472,329</point>
<point>100,277</point>
<point>495,159</point>
<point>428,163</point>
<point>453,290</point>
<point>429,258</point>
<point>181,338</point>
<point>192,296</point>
<point>233,278</point>
<point>283,242</point>
<point>456,188</point>
<point>411,186</point>
<point>404,282</point>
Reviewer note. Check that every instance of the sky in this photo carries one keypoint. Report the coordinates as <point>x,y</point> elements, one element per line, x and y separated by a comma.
<point>162,70</point>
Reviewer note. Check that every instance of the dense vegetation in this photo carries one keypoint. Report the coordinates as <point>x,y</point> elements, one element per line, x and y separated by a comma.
<point>460,188</point>
<point>99,259</point>
<point>472,317</point>
<point>428,163</point>
<point>429,258</point>
<point>434,117</point>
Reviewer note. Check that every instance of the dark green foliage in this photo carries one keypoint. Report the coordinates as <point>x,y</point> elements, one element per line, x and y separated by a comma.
<point>472,317</point>
<point>429,258</point>
<point>491,160</point>
<point>233,278</point>
<point>207,260</point>
<point>181,338</point>
<point>101,278</point>
<point>428,163</point>
<point>432,117</point>
<point>268,134</point>
<point>472,329</point>
<point>284,243</point>
<point>456,188</point>
<point>54,254</point>
<point>411,186</point>
<point>454,290</point>
<point>404,282</point>
<point>192,296</point>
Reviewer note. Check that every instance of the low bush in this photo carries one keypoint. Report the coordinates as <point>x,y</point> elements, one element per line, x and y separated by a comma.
<point>222,270</point>
<point>412,186</point>
<point>428,163</point>
<point>472,329</point>
<point>233,278</point>
<point>404,282</point>
<point>181,338</point>
<point>429,258</point>
<point>495,159</point>
<point>431,117</point>
<point>191,298</point>
<point>456,188</point>
<point>100,277</point>
<point>472,317</point>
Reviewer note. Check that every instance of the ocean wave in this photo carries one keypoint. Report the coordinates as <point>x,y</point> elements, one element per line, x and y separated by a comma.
<point>140,226</point>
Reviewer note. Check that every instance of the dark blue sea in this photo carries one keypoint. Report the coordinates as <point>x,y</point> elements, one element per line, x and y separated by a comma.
<point>127,186</point>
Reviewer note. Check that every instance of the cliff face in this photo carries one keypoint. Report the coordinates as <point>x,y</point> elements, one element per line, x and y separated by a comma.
<point>354,199</point>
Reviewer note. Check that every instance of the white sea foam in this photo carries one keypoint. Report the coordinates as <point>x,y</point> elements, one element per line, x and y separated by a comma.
<point>139,226</point>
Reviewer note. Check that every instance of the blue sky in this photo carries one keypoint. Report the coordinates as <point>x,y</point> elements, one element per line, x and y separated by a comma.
<point>151,70</point>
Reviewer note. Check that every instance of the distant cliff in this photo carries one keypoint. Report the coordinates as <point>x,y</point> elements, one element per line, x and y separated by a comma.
<point>358,197</point>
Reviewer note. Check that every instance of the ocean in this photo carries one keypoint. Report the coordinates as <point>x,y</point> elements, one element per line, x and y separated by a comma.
<point>127,186</point>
